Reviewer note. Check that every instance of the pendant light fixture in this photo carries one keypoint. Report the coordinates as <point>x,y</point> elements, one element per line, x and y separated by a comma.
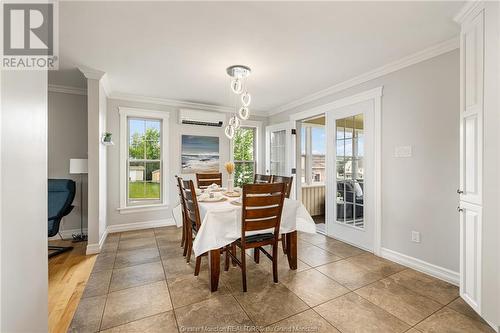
<point>238,74</point>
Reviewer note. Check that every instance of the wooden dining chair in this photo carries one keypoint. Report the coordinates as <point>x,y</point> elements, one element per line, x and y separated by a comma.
<point>262,205</point>
<point>184,224</point>
<point>288,183</point>
<point>203,180</point>
<point>193,221</point>
<point>261,179</point>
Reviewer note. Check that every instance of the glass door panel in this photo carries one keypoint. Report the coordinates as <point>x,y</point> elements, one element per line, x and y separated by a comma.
<point>349,160</point>
<point>277,157</point>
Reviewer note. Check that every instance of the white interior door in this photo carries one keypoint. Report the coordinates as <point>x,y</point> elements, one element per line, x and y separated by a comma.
<point>351,174</point>
<point>278,140</point>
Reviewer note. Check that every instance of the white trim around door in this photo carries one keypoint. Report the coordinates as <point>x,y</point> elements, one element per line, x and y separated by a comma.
<point>374,95</point>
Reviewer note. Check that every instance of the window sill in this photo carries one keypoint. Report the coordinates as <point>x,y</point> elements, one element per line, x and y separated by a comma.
<point>143,208</point>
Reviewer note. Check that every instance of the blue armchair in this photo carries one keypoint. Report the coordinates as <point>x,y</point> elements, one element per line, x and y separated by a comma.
<point>60,198</point>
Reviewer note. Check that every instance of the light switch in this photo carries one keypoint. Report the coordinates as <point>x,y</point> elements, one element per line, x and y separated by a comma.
<point>403,151</point>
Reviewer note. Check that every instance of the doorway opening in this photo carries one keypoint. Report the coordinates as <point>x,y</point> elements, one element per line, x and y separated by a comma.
<point>313,169</point>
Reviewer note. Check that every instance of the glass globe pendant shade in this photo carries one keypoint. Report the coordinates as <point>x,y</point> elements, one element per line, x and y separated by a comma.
<point>246,98</point>
<point>234,122</point>
<point>244,113</point>
<point>236,86</point>
<point>229,131</point>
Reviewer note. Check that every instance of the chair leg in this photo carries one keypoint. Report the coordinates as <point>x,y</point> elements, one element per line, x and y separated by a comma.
<point>189,247</point>
<point>197,266</point>
<point>58,250</point>
<point>184,252</point>
<point>256,255</point>
<point>243,270</point>
<point>275,262</point>
<point>283,243</point>
<point>233,251</point>
<point>183,239</point>
<point>226,260</point>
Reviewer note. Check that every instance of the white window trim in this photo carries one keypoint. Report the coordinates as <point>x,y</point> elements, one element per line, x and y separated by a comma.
<point>258,127</point>
<point>125,113</point>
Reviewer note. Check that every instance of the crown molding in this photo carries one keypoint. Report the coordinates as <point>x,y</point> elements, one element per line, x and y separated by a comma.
<point>175,103</point>
<point>90,73</point>
<point>95,74</point>
<point>466,9</point>
<point>415,58</point>
<point>67,89</point>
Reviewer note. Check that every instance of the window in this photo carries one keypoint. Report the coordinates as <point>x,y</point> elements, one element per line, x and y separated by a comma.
<point>143,168</point>
<point>313,152</point>
<point>244,155</point>
<point>144,161</point>
<point>277,152</point>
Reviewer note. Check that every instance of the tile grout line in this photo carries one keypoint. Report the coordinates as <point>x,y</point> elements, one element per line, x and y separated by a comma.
<point>166,282</point>
<point>111,277</point>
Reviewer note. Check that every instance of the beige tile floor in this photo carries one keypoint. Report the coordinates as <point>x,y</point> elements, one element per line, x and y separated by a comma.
<point>141,283</point>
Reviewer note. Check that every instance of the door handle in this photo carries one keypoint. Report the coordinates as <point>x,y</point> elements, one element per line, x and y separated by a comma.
<point>459,191</point>
<point>460,209</point>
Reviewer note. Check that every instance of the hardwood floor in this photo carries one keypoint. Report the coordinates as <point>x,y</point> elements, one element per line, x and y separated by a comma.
<point>68,275</point>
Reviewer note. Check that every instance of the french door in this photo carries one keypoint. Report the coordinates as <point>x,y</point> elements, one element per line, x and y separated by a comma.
<point>278,139</point>
<point>351,174</point>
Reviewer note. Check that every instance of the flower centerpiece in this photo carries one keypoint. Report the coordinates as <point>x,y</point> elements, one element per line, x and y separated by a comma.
<point>230,169</point>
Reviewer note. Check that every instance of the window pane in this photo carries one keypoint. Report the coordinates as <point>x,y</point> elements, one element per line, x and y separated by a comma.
<point>136,130</point>
<point>350,169</point>
<point>153,150</point>
<point>144,166</point>
<point>243,173</point>
<point>318,154</point>
<point>244,140</point>
<point>136,178</point>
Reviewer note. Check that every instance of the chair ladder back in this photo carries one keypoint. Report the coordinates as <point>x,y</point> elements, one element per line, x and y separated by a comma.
<point>262,205</point>
<point>191,203</point>
<point>288,183</point>
<point>261,179</point>
<point>203,180</point>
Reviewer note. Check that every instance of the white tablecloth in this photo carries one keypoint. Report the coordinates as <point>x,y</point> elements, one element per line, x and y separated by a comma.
<point>221,223</point>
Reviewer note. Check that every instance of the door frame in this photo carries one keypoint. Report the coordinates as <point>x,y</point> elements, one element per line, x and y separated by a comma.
<point>375,95</point>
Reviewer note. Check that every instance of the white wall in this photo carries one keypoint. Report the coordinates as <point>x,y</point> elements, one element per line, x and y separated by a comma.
<point>97,176</point>
<point>420,107</point>
<point>23,202</point>
<point>175,133</point>
<point>67,120</point>
<point>491,165</point>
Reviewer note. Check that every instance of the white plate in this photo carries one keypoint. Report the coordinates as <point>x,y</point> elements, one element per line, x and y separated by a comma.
<point>214,199</point>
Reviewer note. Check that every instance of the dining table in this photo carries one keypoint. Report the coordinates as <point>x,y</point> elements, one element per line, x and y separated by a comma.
<point>221,226</point>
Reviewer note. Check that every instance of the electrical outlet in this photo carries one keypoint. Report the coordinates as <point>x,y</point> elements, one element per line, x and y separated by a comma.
<point>415,236</point>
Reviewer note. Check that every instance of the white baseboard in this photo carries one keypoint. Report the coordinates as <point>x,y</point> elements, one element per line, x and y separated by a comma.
<point>422,266</point>
<point>68,234</point>
<point>96,248</point>
<point>140,225</point>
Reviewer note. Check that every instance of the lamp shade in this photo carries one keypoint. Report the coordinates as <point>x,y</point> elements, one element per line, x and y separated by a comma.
<point>78,165</point>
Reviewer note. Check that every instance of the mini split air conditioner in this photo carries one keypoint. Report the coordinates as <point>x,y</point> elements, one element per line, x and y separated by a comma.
<point>202,118</point>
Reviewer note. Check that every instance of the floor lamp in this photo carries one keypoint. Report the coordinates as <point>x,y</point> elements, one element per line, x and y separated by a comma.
<point>79,166</point>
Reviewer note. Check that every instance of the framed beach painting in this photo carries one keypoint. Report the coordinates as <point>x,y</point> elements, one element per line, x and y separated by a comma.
<point>200,154</point>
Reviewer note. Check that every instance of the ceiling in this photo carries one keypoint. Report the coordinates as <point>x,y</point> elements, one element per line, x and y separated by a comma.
<point>180,50</point>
